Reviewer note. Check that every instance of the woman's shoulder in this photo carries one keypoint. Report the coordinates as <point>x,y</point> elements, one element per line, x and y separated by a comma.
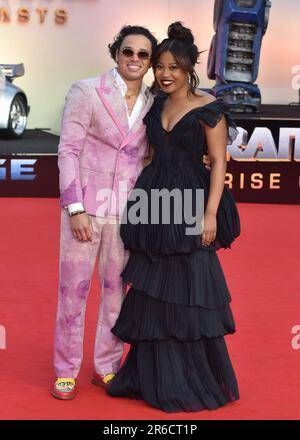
<point>212,110</point>
<point>204,102</point>
<point>208,103</point>
<point>203,98</point>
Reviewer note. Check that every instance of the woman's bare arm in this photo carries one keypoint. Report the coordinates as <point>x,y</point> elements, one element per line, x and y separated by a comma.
<point>217,143</point>
<point>216,139</point>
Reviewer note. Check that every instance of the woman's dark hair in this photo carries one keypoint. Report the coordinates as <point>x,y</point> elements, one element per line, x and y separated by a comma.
<point>131,30</point>
<point>180,43</point>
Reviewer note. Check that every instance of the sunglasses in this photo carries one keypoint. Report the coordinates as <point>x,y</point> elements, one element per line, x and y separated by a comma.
<point>128,53</point>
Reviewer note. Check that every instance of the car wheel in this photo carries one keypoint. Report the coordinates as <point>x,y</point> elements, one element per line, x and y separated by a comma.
<point>17,118</point>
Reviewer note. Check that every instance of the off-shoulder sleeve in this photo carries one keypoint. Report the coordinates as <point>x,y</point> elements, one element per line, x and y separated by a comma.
<point>212,113</point>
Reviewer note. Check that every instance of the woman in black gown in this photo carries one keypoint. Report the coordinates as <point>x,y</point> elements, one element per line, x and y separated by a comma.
<point>177,311</point>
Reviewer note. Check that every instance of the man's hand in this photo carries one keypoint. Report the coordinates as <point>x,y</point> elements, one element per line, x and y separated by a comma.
<point>207,161</point>
<point>81,226</point>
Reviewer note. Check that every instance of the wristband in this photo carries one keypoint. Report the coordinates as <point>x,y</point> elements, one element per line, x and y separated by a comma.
<point>72,214</point>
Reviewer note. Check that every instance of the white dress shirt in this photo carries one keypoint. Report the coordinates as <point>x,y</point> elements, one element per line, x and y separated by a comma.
<point>139,103</point>
<point>132,117</point>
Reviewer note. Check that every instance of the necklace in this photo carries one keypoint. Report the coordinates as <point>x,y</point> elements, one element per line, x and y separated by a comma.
<point>128,97</point>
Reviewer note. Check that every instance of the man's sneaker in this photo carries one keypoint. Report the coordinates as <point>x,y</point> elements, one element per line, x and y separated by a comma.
<point>102,381</point>
<point>64,388</point>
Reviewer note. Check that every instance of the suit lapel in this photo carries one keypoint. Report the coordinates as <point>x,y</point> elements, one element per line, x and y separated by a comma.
<point>115,106</point>
<point>113,102</point>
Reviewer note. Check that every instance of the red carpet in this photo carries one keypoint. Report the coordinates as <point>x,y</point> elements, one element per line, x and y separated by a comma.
<point>262,271</point>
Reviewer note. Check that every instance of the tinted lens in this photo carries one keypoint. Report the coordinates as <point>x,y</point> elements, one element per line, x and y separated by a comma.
<point>127,52</point>
<point>143,55</point>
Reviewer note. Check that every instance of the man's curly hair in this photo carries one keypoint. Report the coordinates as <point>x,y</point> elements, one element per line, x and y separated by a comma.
<point>131,30</point>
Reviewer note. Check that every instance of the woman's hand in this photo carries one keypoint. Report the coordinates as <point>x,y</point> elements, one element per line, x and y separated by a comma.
<point>207,161</point>
<point>209,230</point>
<point>149,156</point>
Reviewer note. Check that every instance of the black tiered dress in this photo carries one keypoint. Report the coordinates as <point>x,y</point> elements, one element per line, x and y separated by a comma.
<point>177,312</point>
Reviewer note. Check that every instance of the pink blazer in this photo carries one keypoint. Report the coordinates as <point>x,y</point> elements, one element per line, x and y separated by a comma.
<point>97,150</point>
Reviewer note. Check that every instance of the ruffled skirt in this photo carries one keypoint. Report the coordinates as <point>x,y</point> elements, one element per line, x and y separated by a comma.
<point>175,317</point>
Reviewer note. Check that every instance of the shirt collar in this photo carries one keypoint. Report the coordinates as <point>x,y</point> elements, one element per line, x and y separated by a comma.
<point>121,84</point>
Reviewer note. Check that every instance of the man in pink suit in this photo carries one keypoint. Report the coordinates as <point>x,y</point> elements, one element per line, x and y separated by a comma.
<point>102,145</point>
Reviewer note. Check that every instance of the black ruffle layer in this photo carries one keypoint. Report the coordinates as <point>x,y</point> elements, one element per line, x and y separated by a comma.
<point>176,376</point>
<point>195,279</point>
<point>163,239</point>
<point>153,320</point>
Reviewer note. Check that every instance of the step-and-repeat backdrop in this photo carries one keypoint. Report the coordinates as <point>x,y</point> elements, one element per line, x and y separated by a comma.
<point>263,166</point>
<point>60,41</point>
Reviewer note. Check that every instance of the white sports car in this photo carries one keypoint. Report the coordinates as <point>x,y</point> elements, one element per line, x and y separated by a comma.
<point>14,107</point>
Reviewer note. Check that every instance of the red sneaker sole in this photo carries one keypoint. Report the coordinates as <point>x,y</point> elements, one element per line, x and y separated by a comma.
<point>98,383</point>
<point>64,396</point>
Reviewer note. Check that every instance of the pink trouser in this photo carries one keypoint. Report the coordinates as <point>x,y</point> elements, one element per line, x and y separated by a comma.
<point>77,261</point>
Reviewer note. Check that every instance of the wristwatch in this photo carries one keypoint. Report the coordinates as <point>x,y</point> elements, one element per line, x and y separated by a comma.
<point>81,211</point>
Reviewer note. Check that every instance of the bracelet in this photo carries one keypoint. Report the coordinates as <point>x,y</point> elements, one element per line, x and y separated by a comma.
<point>81,211</point>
